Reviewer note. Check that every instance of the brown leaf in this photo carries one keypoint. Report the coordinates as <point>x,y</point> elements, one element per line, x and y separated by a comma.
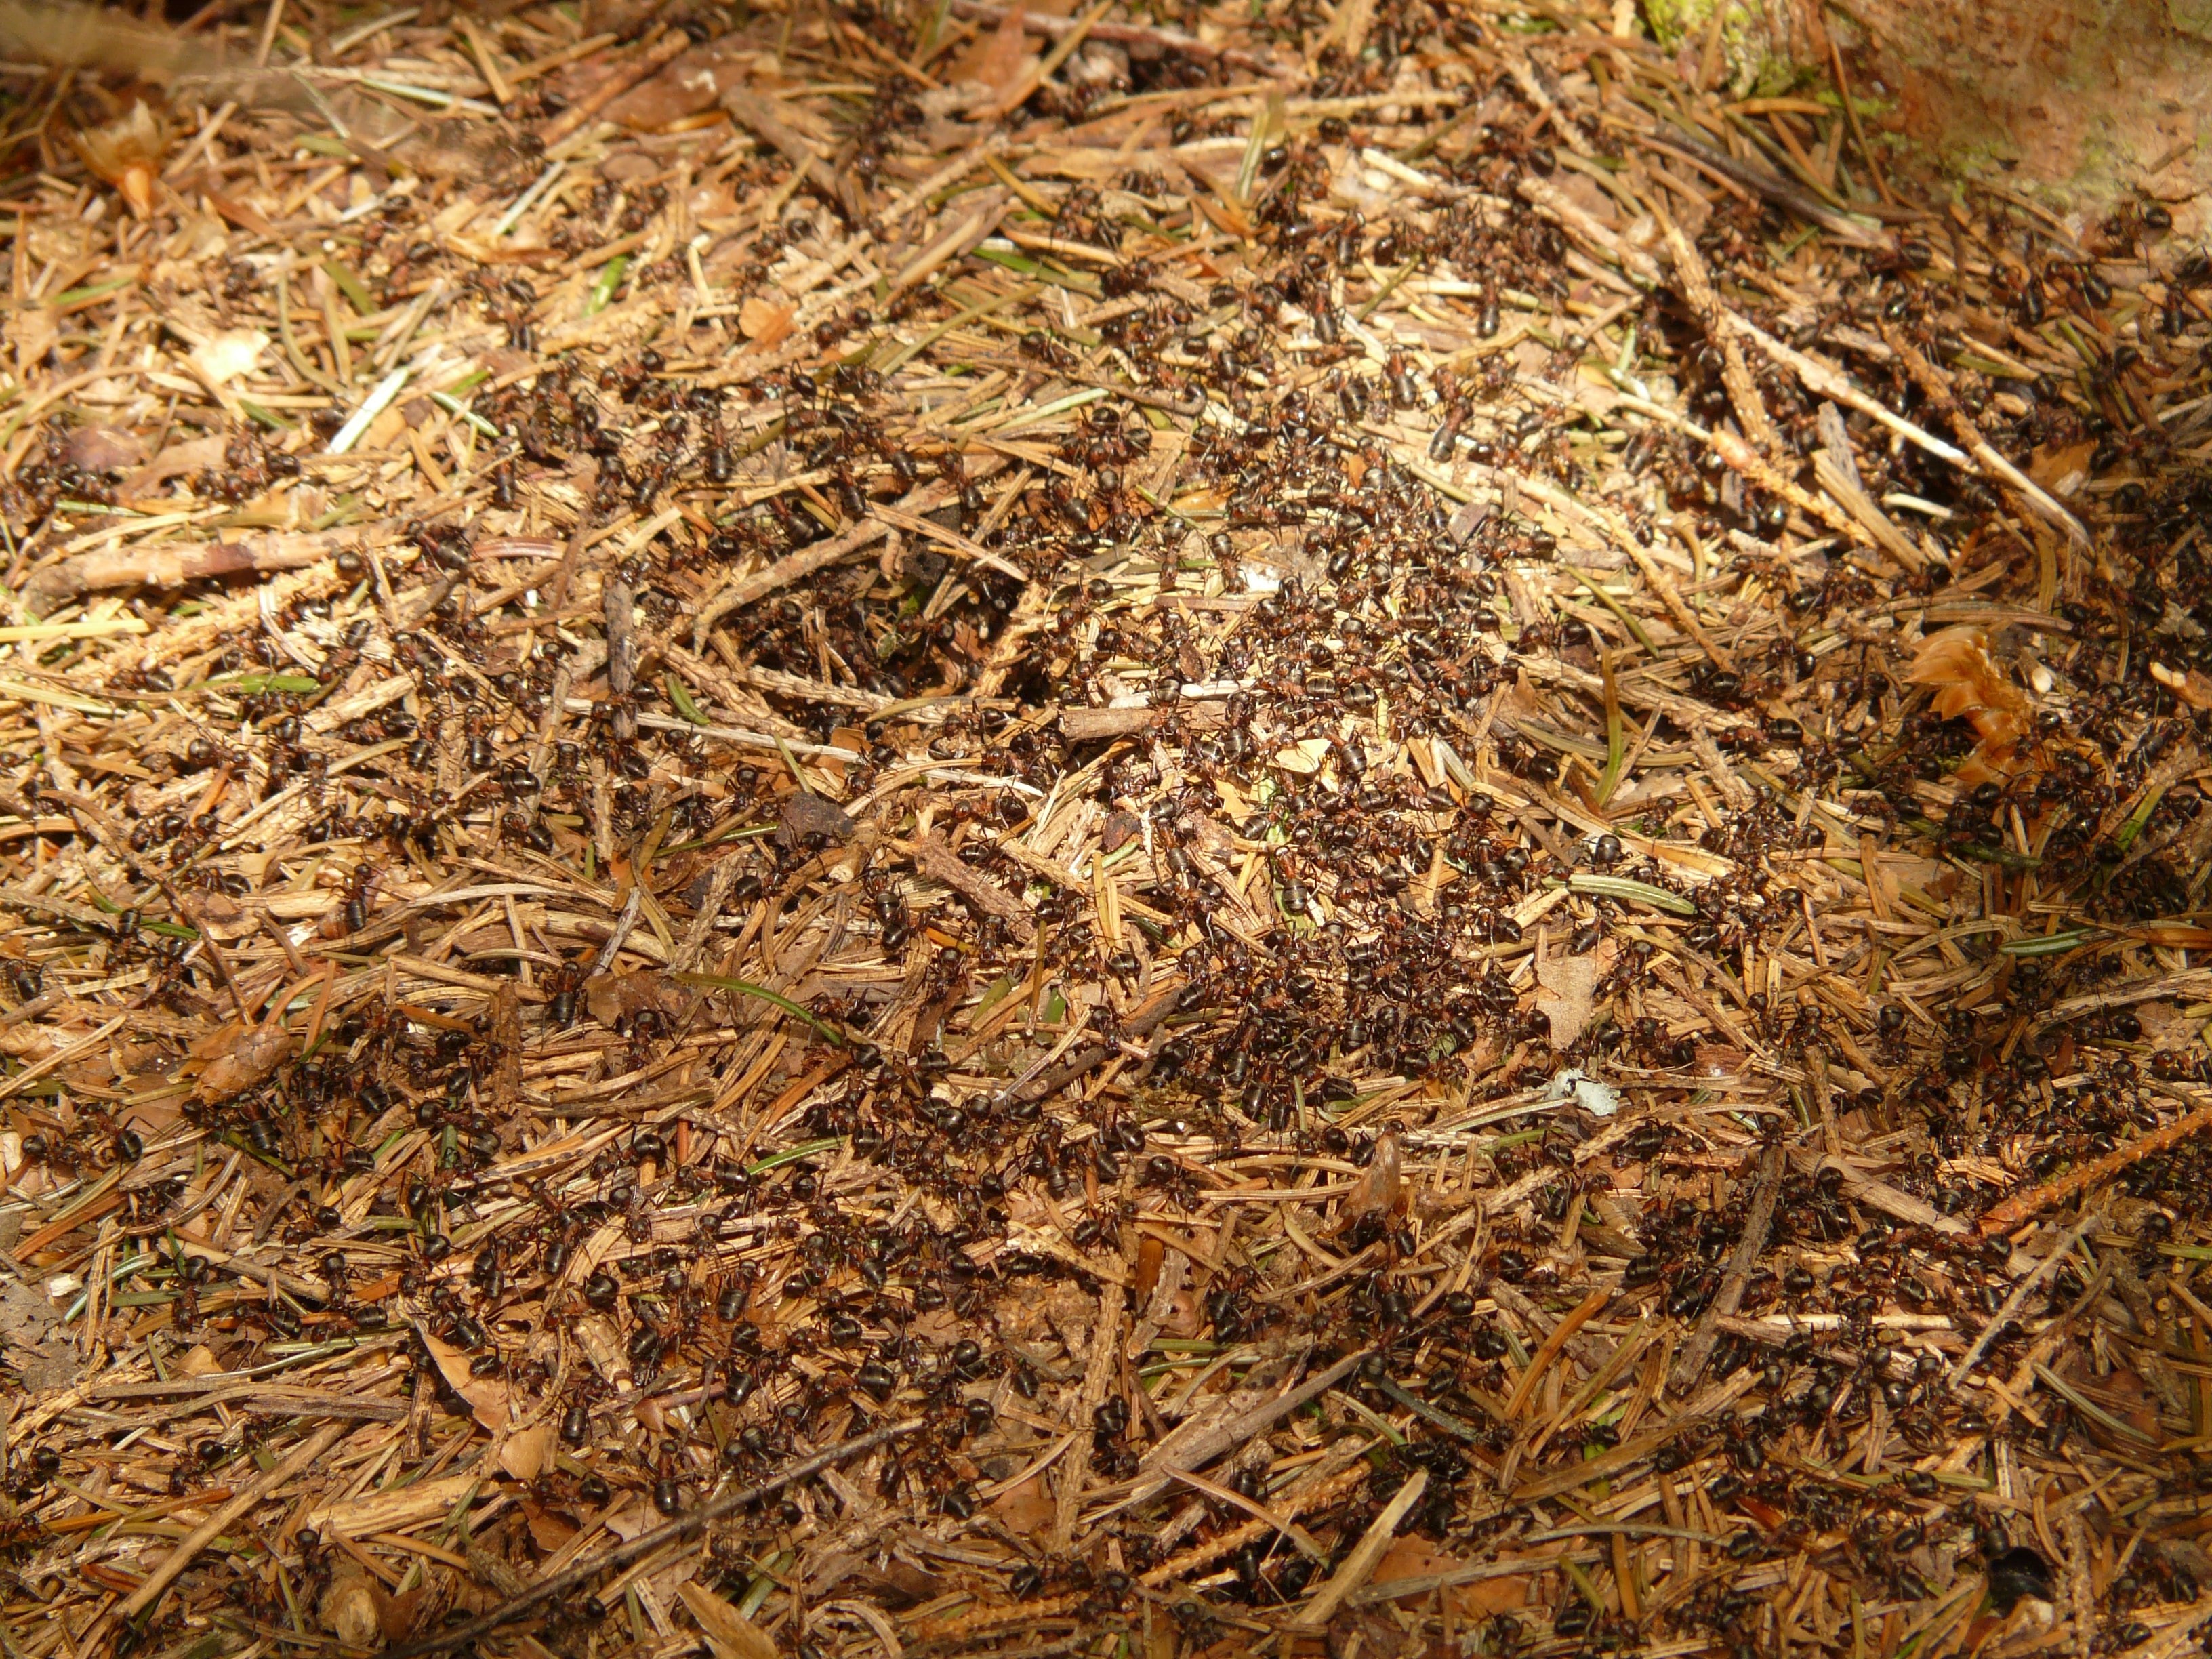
<point>247,1055</point>
<point>614,997</point>
<point>1026,1510</point>
<point>528,1453</point>
<point>729,1632</point>
<point>547,1531</point>
<point>32,332</point>
<point>1568,989</point>
<point>1151,1254</point>
<point>1381,1188</point>
<point>396,1614</point>
<point>174,462</point>
<point>105,449</point>
<point>688,86</point>
<point>1003,59</point>
<point>487,1396</point>
<point>764,323</point>
<point>809,814</point>
<point>2050,466</point>
<point>1414,1556</point>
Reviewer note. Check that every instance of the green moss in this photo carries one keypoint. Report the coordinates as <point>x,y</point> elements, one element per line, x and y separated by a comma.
<point>1746,51</point>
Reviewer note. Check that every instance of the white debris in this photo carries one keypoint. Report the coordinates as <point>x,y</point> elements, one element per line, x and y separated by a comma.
<point>1598,1099</point>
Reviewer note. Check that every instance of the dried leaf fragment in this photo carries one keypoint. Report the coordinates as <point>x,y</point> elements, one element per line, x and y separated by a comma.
<point>729,1632</point>
<point>764,323</point>
<point>105,449</point>
<point>2191,685</point>
<point>127,152</point>
<point>1380,1189</point>
<point>1970,686</point>
<point>352,1607</point>
<point>809,814</point>
<point>613,998</point>
<point>487,1396</point>
<point>242,1056</point>
<point>223,357</point>
<point>1567,992</point>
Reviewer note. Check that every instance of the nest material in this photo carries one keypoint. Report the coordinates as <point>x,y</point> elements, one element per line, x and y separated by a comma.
<point>968,832</point>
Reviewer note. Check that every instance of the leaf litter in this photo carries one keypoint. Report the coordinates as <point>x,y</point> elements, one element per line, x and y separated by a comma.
<point>960,829</point>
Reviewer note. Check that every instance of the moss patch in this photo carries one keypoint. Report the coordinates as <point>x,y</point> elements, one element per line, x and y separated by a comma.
<point>1750,56</point>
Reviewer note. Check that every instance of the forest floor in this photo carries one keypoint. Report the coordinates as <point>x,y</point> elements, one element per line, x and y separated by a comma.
<point>1275,830</point>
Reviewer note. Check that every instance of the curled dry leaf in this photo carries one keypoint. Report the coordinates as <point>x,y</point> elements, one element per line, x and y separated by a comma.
<point>1380,1189</point>
<point>1970,686</point>
<point>487,1396</point>
<point>127,152</point>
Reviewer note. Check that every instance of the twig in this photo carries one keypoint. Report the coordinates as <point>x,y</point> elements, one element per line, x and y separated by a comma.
<point>1939,393</point>
<point>749,109</point>
<point>648,62</point>
<point>303,1455</point>
<point>2021,1205</point>
<point>1127,34</point>
<point>172,564</point>
<point>1756,1225</point>
<point>618,605</point>
<point>1697,288</point>
<point>1366,1554</point>
<point>791,567</point>
<point>1973,1356</point>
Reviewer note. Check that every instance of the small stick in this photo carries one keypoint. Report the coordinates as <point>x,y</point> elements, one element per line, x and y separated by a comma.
<point>2021,1205</point>
<point>1697,285</point>
<point>1121,34</point>
<point>1756,1225</point>
<point>2020,1294</point>
<point>645,1543</point>
<point>1366,1554</point>
<point>757,114</point>
<point>795,567</point>
<point>172,564</point>
<point>1865,150</point>
<point>215,1525</point>
<point>268,34</point>
<point>569,121</point>
<point>620,604</point>
<point>1939,393</point>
